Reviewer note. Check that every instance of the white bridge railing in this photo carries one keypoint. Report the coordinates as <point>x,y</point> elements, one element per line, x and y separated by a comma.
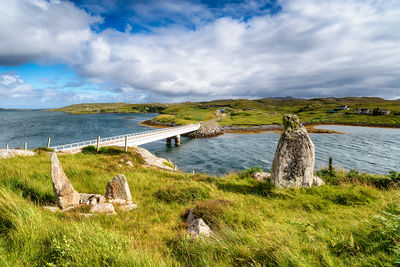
<point>133,139</point>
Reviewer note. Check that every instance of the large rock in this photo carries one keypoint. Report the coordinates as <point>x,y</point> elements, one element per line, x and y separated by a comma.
<point>197,226</point>
<point>293,164</point>
<point>118,188</point>
<point>64,192</point>
<point>207,130</point>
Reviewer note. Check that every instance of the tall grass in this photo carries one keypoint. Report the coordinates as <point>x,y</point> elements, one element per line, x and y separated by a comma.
<point>346,222</point>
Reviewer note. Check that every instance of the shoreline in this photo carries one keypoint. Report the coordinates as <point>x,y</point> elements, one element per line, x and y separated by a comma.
<point>275,128</point>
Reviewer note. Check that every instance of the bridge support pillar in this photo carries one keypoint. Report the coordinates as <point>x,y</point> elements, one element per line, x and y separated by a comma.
<point>168,141</point>
<point>177,140</point>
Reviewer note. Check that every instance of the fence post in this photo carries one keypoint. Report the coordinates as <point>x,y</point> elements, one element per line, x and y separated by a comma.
<point>126,143</point>
<point>330,165</point>
<point>98,143</point>
<point>175,168</point>
<point>48,142</point>
<point>7,146</point>
<point>26,146</point>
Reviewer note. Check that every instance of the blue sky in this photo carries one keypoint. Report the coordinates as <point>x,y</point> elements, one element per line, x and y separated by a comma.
<point>55,53</point>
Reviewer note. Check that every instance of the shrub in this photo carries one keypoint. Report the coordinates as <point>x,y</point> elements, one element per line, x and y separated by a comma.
<point>350,197</point>
<point>211,211</point>
<point>89,150</point>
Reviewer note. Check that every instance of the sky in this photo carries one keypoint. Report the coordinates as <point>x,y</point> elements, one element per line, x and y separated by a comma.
<point>55,53</point>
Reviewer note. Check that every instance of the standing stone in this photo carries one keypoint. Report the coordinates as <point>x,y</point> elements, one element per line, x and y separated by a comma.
<point>118,188</point>
<point>64,192</point>
<point>293,164</point>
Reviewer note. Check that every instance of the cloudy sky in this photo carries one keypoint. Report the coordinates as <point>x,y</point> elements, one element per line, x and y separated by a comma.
<point>54,53</point>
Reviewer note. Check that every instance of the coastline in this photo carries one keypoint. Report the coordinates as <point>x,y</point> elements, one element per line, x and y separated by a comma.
<point>274,128</point>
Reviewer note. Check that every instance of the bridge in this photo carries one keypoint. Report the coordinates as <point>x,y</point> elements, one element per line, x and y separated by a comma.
<point>133,139</point>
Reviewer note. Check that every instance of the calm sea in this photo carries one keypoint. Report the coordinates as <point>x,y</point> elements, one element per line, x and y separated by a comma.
<point>375,150</point>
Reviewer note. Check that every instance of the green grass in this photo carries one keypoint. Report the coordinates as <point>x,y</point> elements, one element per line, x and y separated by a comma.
<point>351,221</point>
<point>263,111</point>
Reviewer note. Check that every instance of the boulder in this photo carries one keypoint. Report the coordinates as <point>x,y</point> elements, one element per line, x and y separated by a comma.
<point>65,194</point>
<point>197,226</point>
<point>102,208</point>
<point>261,176</point>
<point>318,181</point>
<point>118,188</point>
<point>207,130</point>
<point>293,164</point>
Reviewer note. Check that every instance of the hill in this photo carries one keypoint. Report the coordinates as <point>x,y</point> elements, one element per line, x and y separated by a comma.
<point>244,112</point>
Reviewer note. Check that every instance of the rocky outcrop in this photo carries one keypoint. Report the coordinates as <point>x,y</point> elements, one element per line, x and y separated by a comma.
<point>152,160</point>
<point>65,194</point>
<point>9,153</point>
<point>293,164</point>
<point>197,226</point>
<point>261,176</point>
<point>207,130</point>
<point>118,188</point>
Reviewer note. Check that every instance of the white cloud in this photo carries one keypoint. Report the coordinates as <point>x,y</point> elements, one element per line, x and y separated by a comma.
<point>310,48</point>
<point>13,86</point>
<point>42,31</point>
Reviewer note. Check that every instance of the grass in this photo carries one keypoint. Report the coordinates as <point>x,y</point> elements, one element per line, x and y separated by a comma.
<point>352,220</point>
<point>246,113</point>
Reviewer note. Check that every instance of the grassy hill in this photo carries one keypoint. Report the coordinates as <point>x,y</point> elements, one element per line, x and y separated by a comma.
<point>261,111</point>
<point>352,221</point>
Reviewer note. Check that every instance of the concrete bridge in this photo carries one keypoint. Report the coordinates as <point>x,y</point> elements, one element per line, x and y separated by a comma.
<point>133,139</point>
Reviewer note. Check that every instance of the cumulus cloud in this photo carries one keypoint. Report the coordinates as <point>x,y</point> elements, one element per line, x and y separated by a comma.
<point>11,85</point>
<point>308,49</point>
<point>42,31</point>
<point>313,48</point>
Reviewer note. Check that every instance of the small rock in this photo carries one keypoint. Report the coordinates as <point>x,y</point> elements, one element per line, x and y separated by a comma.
<point>64,192</point>
<point>51,208</point>
<point>197,226</point>
<point>318,181</point>
<point>85,198</point>
<point>261,176</point>
<point>118,201</point>
<point>102,208</point>
<point>129,163</point>
<point>93,201</point>
<point>118,188</point>
<point>127,207</point>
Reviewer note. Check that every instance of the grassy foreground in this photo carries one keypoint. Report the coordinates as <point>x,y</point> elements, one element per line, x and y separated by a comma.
<point>352,221</point>
<point>244,112</point>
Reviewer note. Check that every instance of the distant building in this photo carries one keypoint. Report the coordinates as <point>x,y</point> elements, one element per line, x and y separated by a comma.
<point>362,111</point>
<point>342,108</point>
<point>378,111</point>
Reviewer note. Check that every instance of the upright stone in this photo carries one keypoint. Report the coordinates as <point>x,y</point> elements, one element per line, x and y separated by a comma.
<point>118,188</point>
<point>293,164</point>
<point>65,194</point>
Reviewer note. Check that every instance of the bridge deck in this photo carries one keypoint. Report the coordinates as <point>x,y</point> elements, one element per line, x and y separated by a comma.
<point>133,139</point>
